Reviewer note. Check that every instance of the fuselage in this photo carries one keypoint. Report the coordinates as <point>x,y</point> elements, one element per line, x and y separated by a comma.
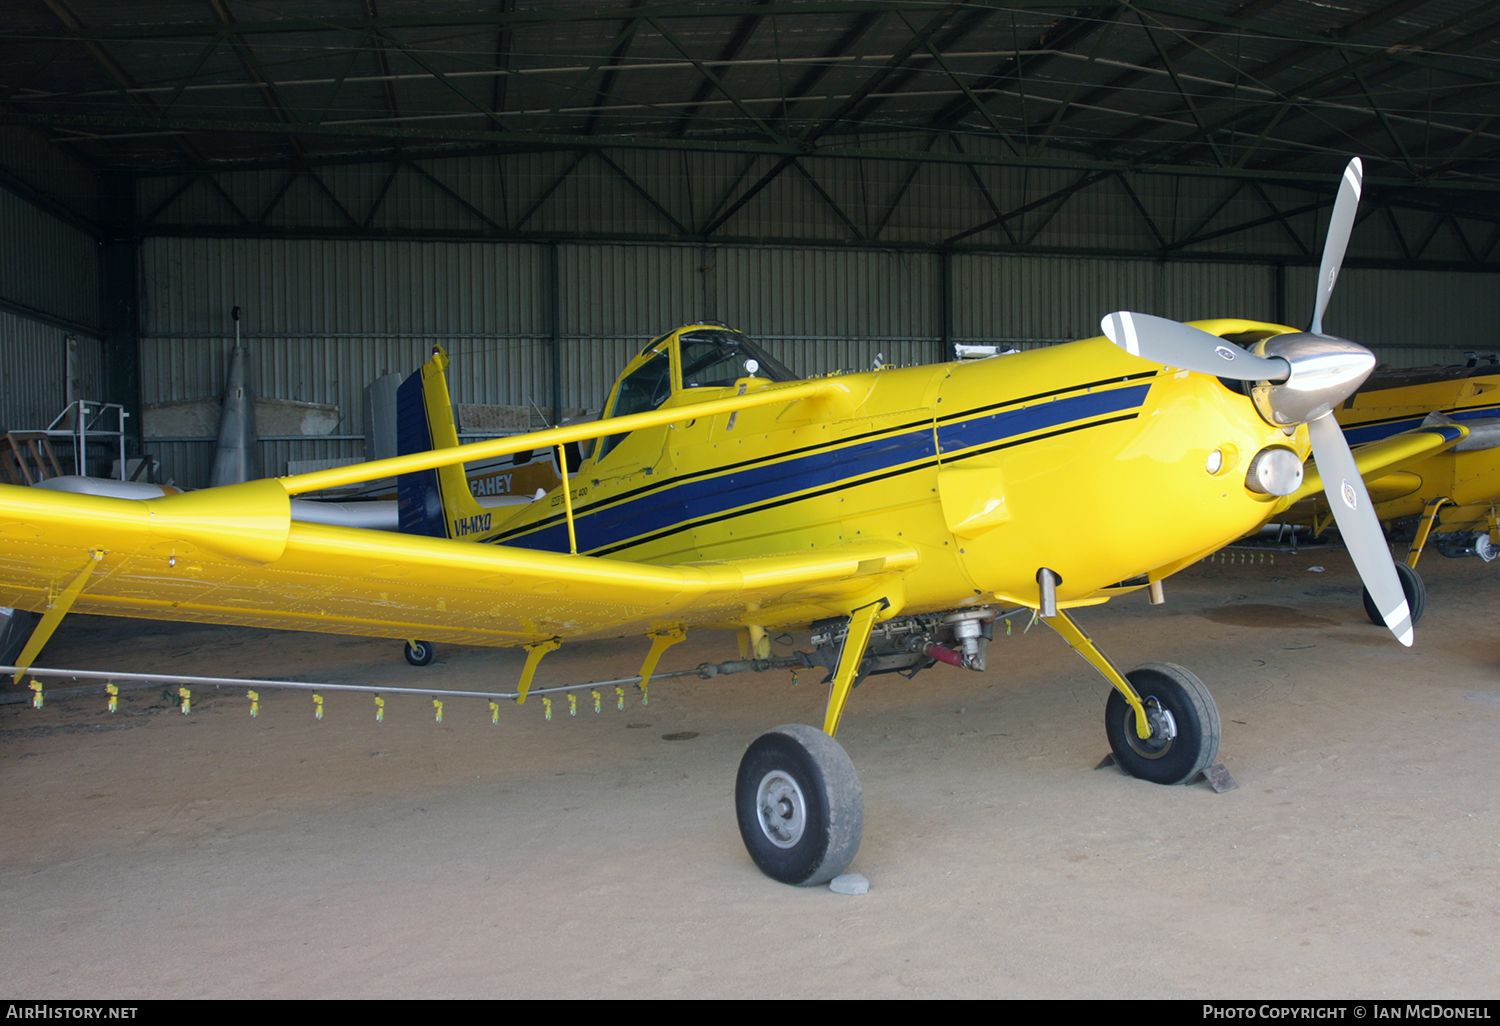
<point>1079,458</point>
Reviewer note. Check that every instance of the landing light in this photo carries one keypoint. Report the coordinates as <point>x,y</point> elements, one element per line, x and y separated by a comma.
<point>1275,470</point>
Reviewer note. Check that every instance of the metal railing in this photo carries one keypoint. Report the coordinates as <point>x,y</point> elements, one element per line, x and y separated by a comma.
<point>83,419</point>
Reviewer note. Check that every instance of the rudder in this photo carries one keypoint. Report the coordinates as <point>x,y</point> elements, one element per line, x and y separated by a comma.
<point>437,503</point>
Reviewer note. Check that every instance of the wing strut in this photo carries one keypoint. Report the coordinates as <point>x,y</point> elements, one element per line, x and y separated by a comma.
<point>1424,528</point>
<point>861,623</point>
<point>55,612</point>
<point>567,490</point>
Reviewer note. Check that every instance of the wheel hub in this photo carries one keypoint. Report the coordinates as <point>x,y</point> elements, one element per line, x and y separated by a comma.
<point>781,808</point>
<point>1163,729</point>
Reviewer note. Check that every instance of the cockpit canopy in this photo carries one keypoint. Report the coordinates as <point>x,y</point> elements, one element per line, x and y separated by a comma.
<point>697,357</point>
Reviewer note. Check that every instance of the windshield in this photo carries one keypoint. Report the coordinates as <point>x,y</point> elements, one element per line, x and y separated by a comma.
<point>715,358</point>
<point>708,357</point>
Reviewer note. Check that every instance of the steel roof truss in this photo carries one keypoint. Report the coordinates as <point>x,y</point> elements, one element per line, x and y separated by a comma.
<point>641,191</point>
<point>550,189</point>
<point>718,83</point>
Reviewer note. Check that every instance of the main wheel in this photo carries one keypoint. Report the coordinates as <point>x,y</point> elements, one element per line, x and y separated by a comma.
<point>1416,596</point>
<point>420,653</point>
<point>1184,725</point>
<point>799,804</point>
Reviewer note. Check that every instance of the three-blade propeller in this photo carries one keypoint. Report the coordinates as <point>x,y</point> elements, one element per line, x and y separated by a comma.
<point>1299,378</point>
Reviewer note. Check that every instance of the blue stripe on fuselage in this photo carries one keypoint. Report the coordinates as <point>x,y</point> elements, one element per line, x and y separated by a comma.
<point>763,482</point>
<point>1008,423</point>
<point>1385,429</point>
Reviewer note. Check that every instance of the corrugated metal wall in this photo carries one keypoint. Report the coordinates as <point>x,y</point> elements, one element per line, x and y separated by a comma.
<point>321,320</point>
<point>1030,300</point>
<point>35,376</point>
<point>1409,318</point>
<point>49,275</point>
<point>324,318</point>
<point>822,310</point>
<point>614,299</point>
<point>47,265</point>
<point>1026,300</point>
<point>35,365</point>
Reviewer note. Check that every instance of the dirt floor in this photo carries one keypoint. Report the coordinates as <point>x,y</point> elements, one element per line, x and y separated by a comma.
<point>152,854</point>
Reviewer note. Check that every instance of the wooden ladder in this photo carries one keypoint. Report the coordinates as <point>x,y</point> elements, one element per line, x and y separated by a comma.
<point>26,458</point>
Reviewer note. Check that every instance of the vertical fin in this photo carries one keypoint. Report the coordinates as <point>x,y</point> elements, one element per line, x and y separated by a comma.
<point>437,503</point>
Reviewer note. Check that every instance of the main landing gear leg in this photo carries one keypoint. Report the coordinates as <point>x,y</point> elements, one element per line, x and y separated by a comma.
<point>861,622</point>
<point>797,797</point>
<point>1169,736</point>
<point>1424,528</point>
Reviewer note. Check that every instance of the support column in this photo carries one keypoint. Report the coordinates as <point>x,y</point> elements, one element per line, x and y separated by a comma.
<point>554,316</point>
<point>708,271</point>
<point>1280,299</point>
<point>119,295</point>
<point>945,306</point>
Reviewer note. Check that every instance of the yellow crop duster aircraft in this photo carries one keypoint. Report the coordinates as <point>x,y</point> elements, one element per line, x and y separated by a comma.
<point>1453,492</point>
<point>895,513</point>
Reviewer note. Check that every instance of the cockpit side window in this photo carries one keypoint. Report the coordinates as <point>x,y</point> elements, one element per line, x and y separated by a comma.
<point>640,391</point>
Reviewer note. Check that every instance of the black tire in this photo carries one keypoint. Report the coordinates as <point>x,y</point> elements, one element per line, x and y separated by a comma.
<point>1416,596</point>
<point>1176,760</point>
<point>799,805</point>
<point>15,631</point>
<point>420,653</point>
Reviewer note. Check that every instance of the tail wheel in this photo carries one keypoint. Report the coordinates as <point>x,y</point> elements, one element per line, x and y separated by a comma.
<point>1416,596</point>
<point>799,804</point>
<point>420,653</point>
<point>1184,725</point>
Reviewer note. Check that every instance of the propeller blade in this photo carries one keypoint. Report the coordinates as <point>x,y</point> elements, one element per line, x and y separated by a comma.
<point>1339,227</point>
<point>1173,344</point>
<point>1355,514</point>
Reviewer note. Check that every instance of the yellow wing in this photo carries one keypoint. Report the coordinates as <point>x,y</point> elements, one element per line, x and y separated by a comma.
<point>233,555</point>
<point>1387,456</point>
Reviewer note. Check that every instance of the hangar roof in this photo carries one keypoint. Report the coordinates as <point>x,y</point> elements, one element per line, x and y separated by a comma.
<point>1265,90</point>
